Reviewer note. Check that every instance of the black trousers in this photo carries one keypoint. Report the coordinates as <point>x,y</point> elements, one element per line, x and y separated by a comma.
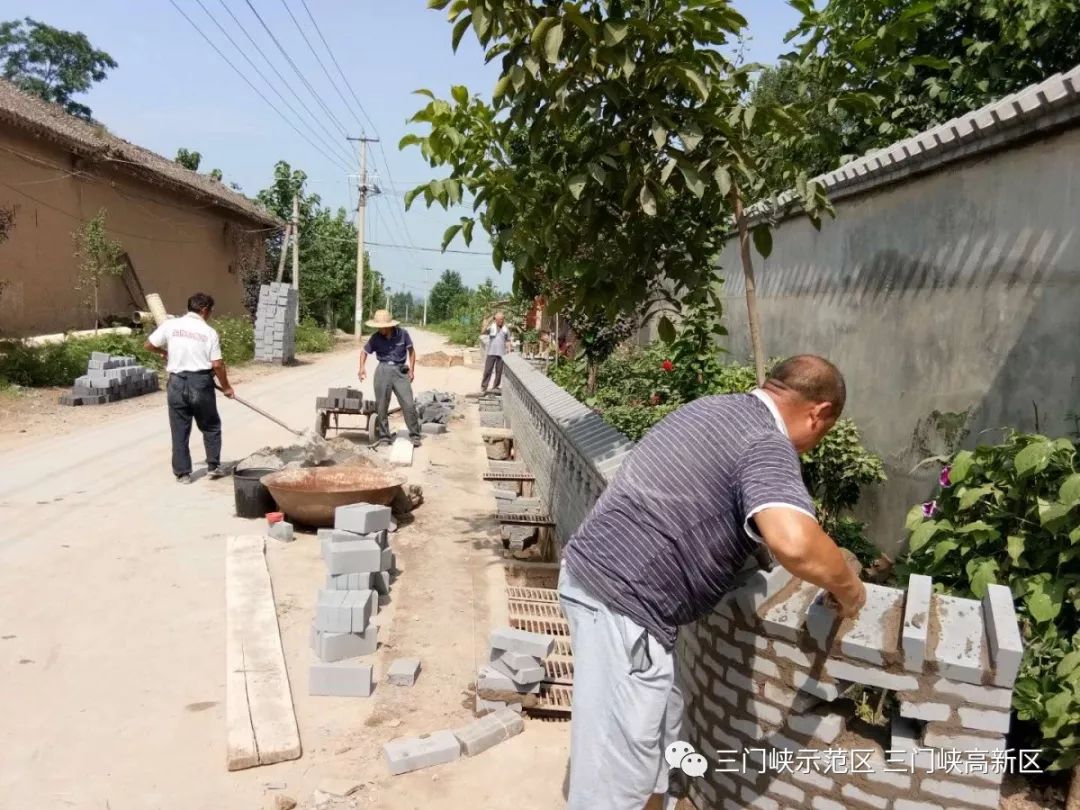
<point>191,395</point>
<point>493,363</point>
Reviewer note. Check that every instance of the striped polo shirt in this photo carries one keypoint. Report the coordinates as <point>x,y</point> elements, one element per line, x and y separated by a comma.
<point>666,538</point>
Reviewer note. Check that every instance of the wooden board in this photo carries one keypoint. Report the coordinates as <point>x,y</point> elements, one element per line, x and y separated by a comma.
<point>258,701</point>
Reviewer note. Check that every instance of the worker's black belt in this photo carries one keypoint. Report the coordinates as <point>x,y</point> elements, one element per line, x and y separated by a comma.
<point>183,375</point>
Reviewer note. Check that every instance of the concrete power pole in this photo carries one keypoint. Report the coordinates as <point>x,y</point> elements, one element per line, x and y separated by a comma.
<point>361,211</point>
<point>427,291</point>
<point>296,251</point>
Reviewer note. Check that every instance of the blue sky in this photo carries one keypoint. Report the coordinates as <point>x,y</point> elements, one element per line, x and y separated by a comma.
<point>172,90</point>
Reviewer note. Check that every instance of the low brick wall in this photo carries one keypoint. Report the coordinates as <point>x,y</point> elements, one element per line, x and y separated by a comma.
<point>764,673</point>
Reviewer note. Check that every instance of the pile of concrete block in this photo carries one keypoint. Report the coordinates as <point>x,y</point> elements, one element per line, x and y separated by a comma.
<point>439,747</point>
<point>359,563</point>
<point>515,671</point>
<point>111,378</point>
<point>765,671</point>
<point>275,323</point>
<point>341,399</point>
<point>435,409</point>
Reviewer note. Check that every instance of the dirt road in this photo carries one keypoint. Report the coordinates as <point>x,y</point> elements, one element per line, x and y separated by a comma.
<point>112,662</point>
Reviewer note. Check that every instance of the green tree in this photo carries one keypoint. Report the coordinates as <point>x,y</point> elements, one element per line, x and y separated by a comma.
<point>99,257</point>
<point>898,67</point>
<point>639,128</point>
<point>51,63</point>
<point>446,296</point>
<point>189,159</point>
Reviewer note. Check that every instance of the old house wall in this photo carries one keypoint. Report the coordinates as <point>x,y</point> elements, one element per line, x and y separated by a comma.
<point>177,245</point>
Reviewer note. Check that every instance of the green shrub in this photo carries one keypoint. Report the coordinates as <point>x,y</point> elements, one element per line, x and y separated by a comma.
<point>460,334</point>
<point>312,338</point>
<point>1008,513</point>
<point>237,339</point>
<point>58,364</point>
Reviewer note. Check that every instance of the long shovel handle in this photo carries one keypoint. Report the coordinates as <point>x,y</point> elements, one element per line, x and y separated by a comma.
<point>261,412</point>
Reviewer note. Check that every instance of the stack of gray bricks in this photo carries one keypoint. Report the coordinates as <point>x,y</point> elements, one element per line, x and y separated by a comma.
<point>358,563</point>
<point>341,399</point>
<point>275,323</point>
<point>111,378</point>
<point>515,671</point>
<point>764,672</point>
<point>439,747</point>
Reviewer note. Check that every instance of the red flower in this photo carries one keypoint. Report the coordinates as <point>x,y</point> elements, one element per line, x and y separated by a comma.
<point>667,365</point>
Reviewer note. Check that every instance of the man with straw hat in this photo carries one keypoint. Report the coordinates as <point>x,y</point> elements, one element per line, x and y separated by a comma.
<point>393,348</point>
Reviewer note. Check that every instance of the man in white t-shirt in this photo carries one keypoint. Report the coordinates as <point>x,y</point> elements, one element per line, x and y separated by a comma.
<point>192,352</point>
<point>498,345</point>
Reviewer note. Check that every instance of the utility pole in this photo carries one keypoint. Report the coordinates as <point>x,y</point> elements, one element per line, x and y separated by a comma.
<point>389,306</point>
<point>284,251</point>
<point>361,212</point>
<point>296,251</point>
<point>427,291</point>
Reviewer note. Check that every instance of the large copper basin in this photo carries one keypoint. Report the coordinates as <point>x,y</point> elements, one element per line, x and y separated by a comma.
<point>310,495</point>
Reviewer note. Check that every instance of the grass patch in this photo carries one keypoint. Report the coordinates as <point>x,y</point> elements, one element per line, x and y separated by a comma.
<point>312,338</point>
<point>457,333</point>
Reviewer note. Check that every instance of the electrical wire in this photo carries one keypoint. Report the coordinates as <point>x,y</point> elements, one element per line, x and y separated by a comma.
<point>258,92</point>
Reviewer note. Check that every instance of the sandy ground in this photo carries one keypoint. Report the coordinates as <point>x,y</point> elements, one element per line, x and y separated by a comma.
<point>112,618</point>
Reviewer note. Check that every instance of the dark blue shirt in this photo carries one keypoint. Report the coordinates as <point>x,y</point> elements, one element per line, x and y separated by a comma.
<point>392,349</point>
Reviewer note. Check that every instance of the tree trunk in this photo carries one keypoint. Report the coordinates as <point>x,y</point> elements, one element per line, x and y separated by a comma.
<point>97,318</point>
<point>751,287</point>
<point>590,384</point>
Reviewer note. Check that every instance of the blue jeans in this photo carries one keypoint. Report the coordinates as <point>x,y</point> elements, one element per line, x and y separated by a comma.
<point>627,706</point>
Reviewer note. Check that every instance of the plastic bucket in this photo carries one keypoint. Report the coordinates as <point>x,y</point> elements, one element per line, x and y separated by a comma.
<point>253,500</point>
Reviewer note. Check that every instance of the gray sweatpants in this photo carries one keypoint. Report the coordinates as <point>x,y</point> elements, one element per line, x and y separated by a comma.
<point>392,378</point>
<point>627,706</point>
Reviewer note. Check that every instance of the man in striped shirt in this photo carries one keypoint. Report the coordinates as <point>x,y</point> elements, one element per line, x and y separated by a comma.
<point>663,544</point>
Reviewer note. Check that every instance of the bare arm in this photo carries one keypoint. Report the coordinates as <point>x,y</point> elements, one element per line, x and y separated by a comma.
<point>158,350</point>
<point>800,545</point>
<point>363,365</point>
<point>223,378</point>
<point>412,363</point>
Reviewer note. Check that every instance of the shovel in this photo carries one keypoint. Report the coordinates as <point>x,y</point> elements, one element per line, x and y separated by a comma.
<point>316,445</point>
<point>261,412</point>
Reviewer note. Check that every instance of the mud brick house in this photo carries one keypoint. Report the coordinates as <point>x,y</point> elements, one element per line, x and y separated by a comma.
<point>182,231</point>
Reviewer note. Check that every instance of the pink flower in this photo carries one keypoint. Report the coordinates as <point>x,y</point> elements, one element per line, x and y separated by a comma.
<point>667,365</point>
<point>943,479</point>
<point>929,508</point>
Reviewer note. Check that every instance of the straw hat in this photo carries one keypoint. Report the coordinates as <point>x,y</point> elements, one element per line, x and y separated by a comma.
<point>382,320</point>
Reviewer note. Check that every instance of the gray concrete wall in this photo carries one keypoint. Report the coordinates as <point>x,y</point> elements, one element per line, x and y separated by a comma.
<point>949,300</point>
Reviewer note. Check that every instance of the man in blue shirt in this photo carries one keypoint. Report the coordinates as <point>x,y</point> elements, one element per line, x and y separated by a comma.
<point>393,348</point>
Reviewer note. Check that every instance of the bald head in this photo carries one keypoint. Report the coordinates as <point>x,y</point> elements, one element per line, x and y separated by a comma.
<point>811,378</point>
<point>810,393</point>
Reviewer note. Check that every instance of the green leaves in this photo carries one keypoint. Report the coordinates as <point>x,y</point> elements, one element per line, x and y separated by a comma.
<point>1044,598</point>
<point>1069,493</point>
<point>983,573</point>
<point>922,535</point>
<point>723,180</point>
<point>553,40</point>
<point>660,135</point>
<point>647,200</point>
<point>763,240</point>
<point>576,184</point>
<point>615,32</point>
<point>666,329</point>
<point>693,181</point>
<point>961,467</point>
<point>1034,458</point>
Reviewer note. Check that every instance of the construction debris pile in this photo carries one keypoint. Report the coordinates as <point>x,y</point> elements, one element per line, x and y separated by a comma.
<point>111,378</point>
<point>275,323</point>
<point>435,409</point>
<point>359,565</point>
<point>516,669</point>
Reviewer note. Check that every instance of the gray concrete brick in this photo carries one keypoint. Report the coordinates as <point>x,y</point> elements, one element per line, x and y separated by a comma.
<point>986,695</point>
<point>764,711</point>
<point>490,681</point>
<point>916,621</point>
<point>821,726</point>
<point>815,687</point>
<point>525,676</point>
<point>1002,634</point>
<point>821,803</point>
<point>353,557</point>
<point>820,621</point>
<point>738,680</point>
<point>725,693</point>
<point>386,561</point>
<point>937,737</point>
<point>751,640</point>
<point>488,731</point>
<point>905,749</point>
<point>880,775</point>
<point>414,753</point>
<point>870,677</point>
<point>432,428</point>
<point>349,582</point>
<point>759,588</point>
<point>961,644</point>
<point>341,679</point>
<point>728,652</point>
<point>755,731</point>
<point>485,706</point>
<point>766,667</point>
<point>868,638</point>
<point>983,719</point>
<point>980,797</point>
<point>814,779</point>
<point>332,647</point>
<point>924,710</point>
<point>791,653</point>
<point>403,671</point>
<point>362,606</point>
<point>331,613</point>
<point>516,660</point>
<point>511,639</point>
<point>362,518</point>
<point>862,797</point>
<point>752,798</point>
<point>786,790</point>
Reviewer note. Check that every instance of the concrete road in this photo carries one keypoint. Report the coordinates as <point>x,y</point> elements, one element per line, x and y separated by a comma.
<point>112,617</point>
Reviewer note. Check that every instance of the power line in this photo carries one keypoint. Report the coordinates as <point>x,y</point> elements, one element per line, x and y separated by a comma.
<point>431,250</point>
<point>331,145</point>
<point>296,70</point>
<point>288,86</point>
<point>258,92</point>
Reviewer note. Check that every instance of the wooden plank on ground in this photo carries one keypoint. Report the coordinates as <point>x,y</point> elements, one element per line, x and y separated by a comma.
<point>258,701</point>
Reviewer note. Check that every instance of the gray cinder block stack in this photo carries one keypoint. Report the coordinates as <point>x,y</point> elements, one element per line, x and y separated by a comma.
<point>435,409</point>
<point>516,669</point>
<point>275,323</point>
<point>111,378</point>
<point>341,399</point>
<point>358,562</point>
